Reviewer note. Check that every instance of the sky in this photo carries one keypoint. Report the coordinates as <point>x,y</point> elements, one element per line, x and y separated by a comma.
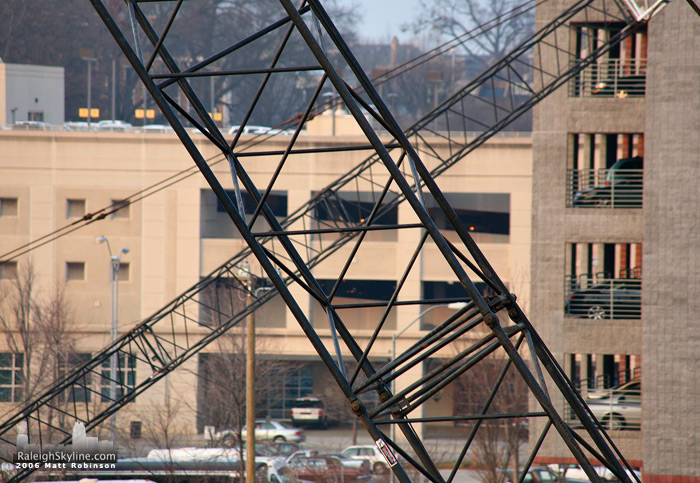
<point>382,19</point>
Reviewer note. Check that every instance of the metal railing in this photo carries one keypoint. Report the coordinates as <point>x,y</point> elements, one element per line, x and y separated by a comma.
<point>619,78</point>
<point>603,188</point>
<point>603,298</point>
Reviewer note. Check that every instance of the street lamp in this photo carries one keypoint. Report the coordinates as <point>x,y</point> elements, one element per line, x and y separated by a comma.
<point>453,305</point>
<point>115,261</point>
<point>88,55</point>
<point>329,97</point>
<point>245,276</point>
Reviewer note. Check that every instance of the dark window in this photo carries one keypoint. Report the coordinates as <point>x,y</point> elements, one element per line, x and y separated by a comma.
<point>277,201</point>
<point>362,289</point>
<point>121,209</point>
<point>11,376</point>
<point>75,271</point>
<point>354,209</point>
<point>478,212</point>
<point>80,391</point>
<point>8,207</point>
<point>449,290</point>
<point>75,208</point>
<point>126,371</point>
<point>8,270</point>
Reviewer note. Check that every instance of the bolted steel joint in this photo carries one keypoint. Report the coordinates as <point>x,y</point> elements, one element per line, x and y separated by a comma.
<point>513,314</point>
<point>491,320</point>
<point>357,407</point>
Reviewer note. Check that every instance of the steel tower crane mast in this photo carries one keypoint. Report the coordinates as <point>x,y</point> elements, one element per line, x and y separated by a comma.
<point>285,253</point>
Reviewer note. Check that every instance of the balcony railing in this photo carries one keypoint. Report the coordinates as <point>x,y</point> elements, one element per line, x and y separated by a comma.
<point>613,78</point>
<point>603,298</point>
<point>603,188</point>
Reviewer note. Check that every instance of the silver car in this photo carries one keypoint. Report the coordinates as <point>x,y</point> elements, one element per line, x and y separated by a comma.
<point>618,407</point>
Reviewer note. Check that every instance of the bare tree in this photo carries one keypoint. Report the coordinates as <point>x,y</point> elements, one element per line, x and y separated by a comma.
<point>499,29</point>
<point>18,323</point>
<point>38,341</point>
<point>497,441</point>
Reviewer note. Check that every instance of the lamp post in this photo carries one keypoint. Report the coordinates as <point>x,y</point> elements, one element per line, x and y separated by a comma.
<point>245,276</point>
<point>88,55</point>
<point>115,262</point>
<point>329,97</point>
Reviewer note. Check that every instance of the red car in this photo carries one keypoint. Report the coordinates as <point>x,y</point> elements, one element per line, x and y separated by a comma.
<point>327,469</point>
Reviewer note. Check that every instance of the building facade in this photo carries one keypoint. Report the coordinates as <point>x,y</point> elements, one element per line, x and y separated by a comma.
<point>614,268</point>
<point>176,234</point>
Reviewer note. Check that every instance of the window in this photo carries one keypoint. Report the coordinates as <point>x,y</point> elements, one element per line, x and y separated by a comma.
<point>8,270</point>
<point>124,272</point>
<point>75,271</point>
<point>11,376</point>
<point>276,201</point>
<point>478,212</point>
<point>8,207</point>
<point>366,298</point>
<point>80,391</point>
<point>37,116</point>
<point>121,209</point>
<point>75,208</point>
<point>126,380</point>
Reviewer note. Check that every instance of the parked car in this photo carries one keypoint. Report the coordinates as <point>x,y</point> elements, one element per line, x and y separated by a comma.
<point>534,475</point>
<point>370,453</point>
<point>276,431</point>
<point>361,464</point>
<point>33,126</point>
<point>619,407</point>
<point>613,299</point>
<point>327,469</point>
<point>622,189</point>
<point>309,410</point>
<point>157,128</point>
<point>249,129</point>
<point>114,125</point>
<point>284,448</point>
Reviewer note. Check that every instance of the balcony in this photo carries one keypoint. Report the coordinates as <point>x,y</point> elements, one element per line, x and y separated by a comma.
<point>619,78</point>
<point>606,188</point>
<point>604,298</point>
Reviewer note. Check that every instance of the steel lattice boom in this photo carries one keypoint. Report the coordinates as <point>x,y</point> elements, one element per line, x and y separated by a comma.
<point>286,251</point>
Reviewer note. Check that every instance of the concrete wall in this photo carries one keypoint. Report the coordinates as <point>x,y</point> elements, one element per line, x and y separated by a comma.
<point>671,258</point>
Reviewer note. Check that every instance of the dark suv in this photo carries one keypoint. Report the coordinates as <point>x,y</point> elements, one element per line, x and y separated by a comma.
<point>622,188</point>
